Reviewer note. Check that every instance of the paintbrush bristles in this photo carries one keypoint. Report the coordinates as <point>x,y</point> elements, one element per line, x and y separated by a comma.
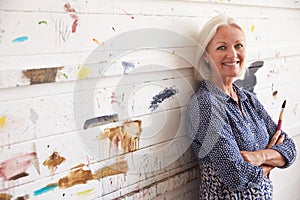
<point>283,105</point>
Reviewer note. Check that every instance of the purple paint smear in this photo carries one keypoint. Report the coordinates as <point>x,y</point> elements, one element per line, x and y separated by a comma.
<point>163,95</point>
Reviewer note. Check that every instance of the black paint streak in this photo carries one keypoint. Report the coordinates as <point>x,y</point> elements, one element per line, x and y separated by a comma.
<point>98,121</point>
<point>165,94</point>
<point>23,174</point>
<point>249,80</point>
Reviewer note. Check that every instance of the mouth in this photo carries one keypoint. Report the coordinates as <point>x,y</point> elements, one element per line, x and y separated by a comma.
<point>231,63</point>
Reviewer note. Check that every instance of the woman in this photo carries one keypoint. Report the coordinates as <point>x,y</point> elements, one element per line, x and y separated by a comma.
<point>232,135</point>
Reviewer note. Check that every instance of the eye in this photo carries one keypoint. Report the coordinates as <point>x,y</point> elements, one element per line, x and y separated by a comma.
<point>221,47</point>
<point>238,46</point>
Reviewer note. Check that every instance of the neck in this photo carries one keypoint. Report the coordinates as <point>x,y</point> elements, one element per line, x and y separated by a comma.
<point>225,85</point>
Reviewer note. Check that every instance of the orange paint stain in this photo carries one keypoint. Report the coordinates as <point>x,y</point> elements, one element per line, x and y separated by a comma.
<point>120,167</point>
<point>53,161</point>
<point>5,196</point>
<point>126,136</point>
<point>75,177</point>
<point>96,41</point>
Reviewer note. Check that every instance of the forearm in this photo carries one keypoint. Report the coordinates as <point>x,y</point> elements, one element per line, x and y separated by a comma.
<point>272,158</point>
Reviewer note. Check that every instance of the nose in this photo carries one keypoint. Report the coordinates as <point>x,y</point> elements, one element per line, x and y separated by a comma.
<point>232,52</point>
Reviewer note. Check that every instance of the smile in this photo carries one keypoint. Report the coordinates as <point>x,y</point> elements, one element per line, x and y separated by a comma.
<point>231,63</point>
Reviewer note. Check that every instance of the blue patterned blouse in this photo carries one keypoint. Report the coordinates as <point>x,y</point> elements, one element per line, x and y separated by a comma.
<point>219,131</point>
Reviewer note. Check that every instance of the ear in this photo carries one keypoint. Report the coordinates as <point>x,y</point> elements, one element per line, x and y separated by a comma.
<point>206,57</point>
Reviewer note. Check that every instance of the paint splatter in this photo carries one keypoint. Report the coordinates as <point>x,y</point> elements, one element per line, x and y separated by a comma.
<point>53,161</point>
<point>75,177</point>
<point>2,121</point>
<point>38,76</point>
<point>127,67</point>
<point>115,99</point>
<point>121,167</point>
<point>113,28</point>
<point>252,28</point>
<point>96,41</point>
<point>85,192</point>
<point>20,39</point>
<point>132,17</point>
<point>45,189</point>
<point>163,95</point>
<point>75,17</point>
<point>16,167</point>
<point>25,197</point>
<point>275,93</point>
<point>126,136</point>
<point>42,22</point>
<point>249,80</point>
<point>83,73</point>
<point>5,196</point>
<point>98,121</point>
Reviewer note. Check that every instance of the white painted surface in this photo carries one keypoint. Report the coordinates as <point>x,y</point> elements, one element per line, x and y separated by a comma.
<point>91,81</point>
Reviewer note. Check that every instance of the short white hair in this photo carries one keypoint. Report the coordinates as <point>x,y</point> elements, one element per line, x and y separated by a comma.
<point>208,31</point>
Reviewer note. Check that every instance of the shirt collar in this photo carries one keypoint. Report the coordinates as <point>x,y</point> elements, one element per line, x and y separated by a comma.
<point>220,94</point>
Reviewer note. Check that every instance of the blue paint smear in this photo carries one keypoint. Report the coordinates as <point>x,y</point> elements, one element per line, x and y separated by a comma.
<point>45,189</point>
<point>127,66</point>
<point>163,95</point>
<point>20,39</point>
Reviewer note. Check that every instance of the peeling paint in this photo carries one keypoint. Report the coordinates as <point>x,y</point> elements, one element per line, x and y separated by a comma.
<point>98,121</point>
<point>163,95</point>
<point>126,136</point>
<point>38,76</point>
<point>53,161</point>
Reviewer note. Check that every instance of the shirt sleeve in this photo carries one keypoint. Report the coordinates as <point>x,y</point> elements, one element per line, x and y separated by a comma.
<point>287,148</point>
<point>212,139</point>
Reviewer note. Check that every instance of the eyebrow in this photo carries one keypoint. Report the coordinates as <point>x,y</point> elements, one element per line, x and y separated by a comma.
<point>241,40</point>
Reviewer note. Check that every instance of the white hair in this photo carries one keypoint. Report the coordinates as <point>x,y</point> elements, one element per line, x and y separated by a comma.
<point>206,34</point>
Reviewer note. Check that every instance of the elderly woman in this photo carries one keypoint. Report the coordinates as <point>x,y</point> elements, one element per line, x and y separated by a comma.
<point>233,136</point>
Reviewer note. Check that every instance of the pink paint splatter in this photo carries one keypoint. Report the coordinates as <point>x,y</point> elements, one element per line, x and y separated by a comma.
<point>114,99</point>
<point>75,17</point>
<point>15,168</point>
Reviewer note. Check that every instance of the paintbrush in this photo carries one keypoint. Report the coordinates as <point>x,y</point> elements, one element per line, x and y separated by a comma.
<point>280,116</point>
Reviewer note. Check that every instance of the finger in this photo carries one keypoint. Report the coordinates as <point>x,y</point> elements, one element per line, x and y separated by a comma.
<point>274,139</point>
<point>280,139</point>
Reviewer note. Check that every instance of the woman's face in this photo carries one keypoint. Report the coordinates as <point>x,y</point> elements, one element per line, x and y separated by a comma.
<point>227,51</point>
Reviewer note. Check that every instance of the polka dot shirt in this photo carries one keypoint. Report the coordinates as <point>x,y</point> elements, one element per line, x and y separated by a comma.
<point>219,131</point>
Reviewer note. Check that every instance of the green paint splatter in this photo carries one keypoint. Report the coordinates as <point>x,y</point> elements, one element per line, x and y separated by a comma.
<point>65,75</point>
<point>42,22</point>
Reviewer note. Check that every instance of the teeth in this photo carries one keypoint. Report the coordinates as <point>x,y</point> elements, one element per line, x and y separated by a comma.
<point>231,63</point>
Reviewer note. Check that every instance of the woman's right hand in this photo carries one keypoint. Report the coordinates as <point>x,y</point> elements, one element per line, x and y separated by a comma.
<point>276,139</point>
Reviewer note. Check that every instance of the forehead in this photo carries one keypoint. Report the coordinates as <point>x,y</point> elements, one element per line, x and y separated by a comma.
<point>228,33</point>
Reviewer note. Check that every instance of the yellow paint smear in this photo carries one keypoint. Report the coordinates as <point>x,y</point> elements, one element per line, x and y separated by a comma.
<point>83,73</point>
<point>2,121</point>
<point>85,192</point>
<point>252,28</point>
<point>127,135</point>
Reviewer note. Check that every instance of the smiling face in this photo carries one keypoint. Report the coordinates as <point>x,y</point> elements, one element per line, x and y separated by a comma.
<point>226,52</point>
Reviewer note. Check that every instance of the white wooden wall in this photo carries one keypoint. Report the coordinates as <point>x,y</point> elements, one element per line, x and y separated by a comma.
<point>65,63</point>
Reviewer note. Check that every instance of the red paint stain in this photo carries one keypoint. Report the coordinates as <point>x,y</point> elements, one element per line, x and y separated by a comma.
<point>132,17</point>
<point>68,8</point>
<point>115,99</point>
<point>16,167</point>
